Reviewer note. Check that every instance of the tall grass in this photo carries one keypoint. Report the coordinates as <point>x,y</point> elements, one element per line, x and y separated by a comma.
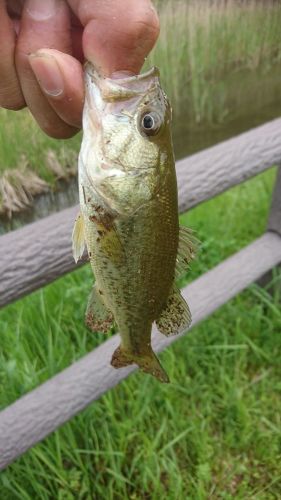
<point>202,41</point>
<point>21,140</point>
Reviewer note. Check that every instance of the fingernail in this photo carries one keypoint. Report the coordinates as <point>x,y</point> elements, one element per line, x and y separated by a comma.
<point>40,10</point>
<point>48,73</point>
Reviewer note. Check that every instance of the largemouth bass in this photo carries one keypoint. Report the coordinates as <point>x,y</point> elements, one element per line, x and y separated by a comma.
<point>129,215</point>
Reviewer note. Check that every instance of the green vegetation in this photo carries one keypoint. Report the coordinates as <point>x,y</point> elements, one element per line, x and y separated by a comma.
<point>214,432</point>
<point>30,161</point>
<point>21,142</point>
<point>201,42</point>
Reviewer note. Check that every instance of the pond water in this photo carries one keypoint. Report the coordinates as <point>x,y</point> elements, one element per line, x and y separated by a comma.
<point>252,98</point>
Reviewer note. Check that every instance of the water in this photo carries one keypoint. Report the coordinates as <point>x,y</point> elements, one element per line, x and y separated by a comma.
<point>252,98</point>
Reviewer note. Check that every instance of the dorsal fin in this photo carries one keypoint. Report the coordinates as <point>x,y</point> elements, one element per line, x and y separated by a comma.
<point>187,249</point>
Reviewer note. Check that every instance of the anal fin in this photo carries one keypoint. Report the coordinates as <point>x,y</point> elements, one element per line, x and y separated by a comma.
<point>148,363</point>
<point>98,318</point>
<point>176,316</point>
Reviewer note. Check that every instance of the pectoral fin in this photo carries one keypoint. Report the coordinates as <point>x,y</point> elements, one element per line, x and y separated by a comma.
<point>98,318</point>
<point>186,250</point>
<point>176,316</point>
<point>78,238</point>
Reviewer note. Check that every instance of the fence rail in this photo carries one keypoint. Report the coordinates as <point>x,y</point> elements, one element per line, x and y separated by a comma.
<point>47,245</point>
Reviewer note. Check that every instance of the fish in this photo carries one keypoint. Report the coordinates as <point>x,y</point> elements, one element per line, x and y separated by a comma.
<point>128,218</point>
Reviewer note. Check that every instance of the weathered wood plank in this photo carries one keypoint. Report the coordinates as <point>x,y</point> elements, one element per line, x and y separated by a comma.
<point>214,170</point>
<point>37,414</point>
<point>37,254</point>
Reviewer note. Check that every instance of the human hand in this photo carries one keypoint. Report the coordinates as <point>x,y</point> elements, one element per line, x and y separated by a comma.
<point>44,42</point>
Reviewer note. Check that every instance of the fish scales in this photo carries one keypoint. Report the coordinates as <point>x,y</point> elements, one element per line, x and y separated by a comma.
<point>129,215</point>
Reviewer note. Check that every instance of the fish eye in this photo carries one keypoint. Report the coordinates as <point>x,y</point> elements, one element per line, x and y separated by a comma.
<point>150,123</point>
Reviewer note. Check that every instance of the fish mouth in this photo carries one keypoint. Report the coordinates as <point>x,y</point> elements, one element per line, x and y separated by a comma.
<point>147,75</point>
<point>123,87</point>
<point>93,72</point>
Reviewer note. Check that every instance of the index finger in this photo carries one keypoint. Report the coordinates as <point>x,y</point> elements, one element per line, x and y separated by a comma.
<point>118,34</point>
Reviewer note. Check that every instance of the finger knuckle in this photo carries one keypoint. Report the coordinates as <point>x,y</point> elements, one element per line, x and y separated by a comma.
<point>12,101</point>
<point>59,130</point>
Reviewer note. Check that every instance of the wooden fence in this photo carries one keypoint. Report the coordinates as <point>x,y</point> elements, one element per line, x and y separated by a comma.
<point>38,253</point>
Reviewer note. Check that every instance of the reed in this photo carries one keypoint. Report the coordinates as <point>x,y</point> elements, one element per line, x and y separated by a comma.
<point>203,41</point>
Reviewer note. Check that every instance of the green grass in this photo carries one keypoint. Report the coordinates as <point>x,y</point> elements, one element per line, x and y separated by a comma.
<point>21,140</point>
<point>214,432</point>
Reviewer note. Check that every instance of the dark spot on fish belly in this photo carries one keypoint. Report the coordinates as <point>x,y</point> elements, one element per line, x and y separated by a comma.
<point>93,218</point>
<point>105,218</point>
<point>100,216</point>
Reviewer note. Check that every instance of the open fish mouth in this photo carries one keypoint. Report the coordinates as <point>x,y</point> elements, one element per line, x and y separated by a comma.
<point>101,90</point>
<point>135,82</point>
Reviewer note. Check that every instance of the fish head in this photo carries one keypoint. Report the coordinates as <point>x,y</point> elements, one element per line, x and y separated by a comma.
<point>126,123</point>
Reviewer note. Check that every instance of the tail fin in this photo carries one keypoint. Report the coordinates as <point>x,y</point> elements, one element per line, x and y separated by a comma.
<point>148,363</point>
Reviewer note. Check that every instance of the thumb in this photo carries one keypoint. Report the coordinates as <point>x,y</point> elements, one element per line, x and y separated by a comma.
<point>118,34</point>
